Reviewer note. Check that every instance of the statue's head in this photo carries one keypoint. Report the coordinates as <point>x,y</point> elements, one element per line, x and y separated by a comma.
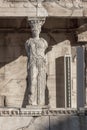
<point>36,28</point>
<point>36,24</point>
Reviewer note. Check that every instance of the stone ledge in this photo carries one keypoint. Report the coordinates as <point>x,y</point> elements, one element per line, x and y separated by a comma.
<point>47,8</point>
<point>24,112</point>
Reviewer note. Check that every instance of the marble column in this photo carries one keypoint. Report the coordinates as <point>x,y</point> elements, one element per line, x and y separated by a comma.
<point>36,64</point>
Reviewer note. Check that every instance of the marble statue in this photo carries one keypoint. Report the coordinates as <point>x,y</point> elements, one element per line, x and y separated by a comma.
<point>35,48</point>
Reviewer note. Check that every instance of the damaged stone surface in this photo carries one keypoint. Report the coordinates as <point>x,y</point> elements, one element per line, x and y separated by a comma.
<point>75,8</point>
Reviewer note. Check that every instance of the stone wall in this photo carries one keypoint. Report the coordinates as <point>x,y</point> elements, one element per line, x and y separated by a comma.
<point>13,67</point>
<point>60,122</point>
<point>13,62</point>
<point>13,70</point>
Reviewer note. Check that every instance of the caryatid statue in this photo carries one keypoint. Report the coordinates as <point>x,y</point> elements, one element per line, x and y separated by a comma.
<point>35,48</point>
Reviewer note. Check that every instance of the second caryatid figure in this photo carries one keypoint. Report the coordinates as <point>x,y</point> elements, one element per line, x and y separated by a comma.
<point>37,64</point>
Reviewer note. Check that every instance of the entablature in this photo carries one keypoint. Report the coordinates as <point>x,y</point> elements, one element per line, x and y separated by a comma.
<point>40,8</point>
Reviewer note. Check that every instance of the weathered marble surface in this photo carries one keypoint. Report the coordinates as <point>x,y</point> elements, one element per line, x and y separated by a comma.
<point>13,60</point>
<point>44,123</point>
<point>22,8</point>
<point>57,51</point>
<point>36,64</point>
<point>13,70</point>
<point>75,8</point>
<point>66,8</point>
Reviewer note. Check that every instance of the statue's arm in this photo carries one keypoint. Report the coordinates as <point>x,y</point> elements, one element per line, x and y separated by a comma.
<point>45,43</point>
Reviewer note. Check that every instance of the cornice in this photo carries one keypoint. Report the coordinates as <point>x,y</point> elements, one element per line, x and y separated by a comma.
<point>23,112</point>
<point>43,8</point>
